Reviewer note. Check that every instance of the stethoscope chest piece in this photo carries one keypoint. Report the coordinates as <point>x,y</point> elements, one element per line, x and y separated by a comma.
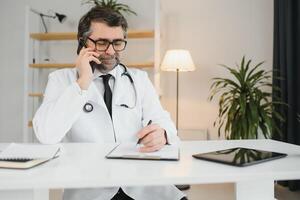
<point>88,107</point>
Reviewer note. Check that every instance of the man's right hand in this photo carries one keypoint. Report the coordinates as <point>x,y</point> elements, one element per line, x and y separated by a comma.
<point>83,66</point>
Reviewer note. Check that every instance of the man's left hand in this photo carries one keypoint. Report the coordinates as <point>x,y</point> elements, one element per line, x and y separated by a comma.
<point>153,138</point>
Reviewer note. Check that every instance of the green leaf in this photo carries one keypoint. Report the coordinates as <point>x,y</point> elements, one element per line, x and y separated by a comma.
<point>245,103</point>
<point>254,69</point>
<point>111,4</point>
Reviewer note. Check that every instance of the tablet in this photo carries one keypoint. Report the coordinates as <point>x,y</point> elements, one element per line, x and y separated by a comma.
<point>239,156</point>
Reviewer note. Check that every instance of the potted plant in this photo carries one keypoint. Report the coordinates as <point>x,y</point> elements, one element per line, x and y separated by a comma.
<point>245,102</point>
<point>111,4</point>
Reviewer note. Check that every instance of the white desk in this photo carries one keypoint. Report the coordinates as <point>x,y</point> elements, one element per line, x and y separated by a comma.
<point>83,165</point>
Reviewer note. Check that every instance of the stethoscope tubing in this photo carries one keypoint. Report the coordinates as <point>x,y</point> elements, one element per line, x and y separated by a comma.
<point>88,107</point>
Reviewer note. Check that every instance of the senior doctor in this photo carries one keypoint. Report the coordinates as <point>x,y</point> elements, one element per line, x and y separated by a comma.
<point>109,103</point>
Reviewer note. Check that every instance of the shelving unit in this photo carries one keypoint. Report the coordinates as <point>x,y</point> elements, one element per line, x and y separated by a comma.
<point>132,34</point>
<point>30,95</point>
<point>71,65</point>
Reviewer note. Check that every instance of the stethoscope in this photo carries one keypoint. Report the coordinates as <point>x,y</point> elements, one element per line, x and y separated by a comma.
<point>88,107</point>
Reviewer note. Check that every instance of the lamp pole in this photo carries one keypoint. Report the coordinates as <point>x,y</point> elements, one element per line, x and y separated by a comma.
<point>177,94</point>
<point>180,187</point>
<point>178,59</point>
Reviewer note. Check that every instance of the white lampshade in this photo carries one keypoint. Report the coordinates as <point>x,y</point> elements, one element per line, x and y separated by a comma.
<point>177,59</point>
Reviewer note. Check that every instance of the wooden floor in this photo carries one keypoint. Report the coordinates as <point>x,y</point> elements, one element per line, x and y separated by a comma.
<point>226,192</point>
<point>213,191</point>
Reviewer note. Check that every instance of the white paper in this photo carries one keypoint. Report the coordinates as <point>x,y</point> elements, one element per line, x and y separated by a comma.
<point>132,150</point>
<point>33,151</point>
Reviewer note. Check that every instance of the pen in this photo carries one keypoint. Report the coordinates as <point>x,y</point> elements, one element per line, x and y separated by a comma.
<point>139,141</point>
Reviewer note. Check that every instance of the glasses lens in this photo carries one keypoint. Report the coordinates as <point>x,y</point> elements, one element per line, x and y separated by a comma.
<point>119,45</point>
<point>102,45</point>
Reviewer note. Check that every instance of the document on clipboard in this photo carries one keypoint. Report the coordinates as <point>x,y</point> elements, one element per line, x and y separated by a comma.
<point>130,151</point>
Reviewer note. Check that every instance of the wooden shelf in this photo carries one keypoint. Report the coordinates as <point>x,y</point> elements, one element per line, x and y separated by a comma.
<point>141,65</point>
<point>132,34</point>
<point>35,94</point>
<point>52,65</point>
<point>71,65</point>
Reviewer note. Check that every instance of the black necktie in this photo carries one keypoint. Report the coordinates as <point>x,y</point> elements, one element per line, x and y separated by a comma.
<point>107,92</point>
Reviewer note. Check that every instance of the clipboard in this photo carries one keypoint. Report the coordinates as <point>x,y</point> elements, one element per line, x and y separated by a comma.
<point>130,151</point>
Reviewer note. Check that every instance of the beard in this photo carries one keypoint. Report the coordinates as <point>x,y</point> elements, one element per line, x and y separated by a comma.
<point>108,63</point>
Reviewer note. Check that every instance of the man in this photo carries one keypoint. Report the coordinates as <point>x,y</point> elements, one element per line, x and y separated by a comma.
<point>103,101</point>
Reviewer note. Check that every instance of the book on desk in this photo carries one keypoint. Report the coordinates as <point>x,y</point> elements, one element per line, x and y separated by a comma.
<point>24,156</point>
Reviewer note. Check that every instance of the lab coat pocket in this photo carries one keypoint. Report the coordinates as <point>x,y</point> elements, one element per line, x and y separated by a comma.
<point>127,121</point>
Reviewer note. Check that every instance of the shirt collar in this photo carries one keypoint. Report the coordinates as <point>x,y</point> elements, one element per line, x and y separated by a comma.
<point>98,73</point>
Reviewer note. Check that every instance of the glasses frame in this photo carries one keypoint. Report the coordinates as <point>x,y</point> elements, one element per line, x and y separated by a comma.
<point>109,43</point>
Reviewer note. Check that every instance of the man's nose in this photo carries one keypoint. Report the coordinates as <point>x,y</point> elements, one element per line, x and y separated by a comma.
<point>110,50</point>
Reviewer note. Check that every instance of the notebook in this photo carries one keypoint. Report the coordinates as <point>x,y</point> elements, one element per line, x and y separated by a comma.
<point>130,151</point>
<point>239,156</point>
<point>24,156</point>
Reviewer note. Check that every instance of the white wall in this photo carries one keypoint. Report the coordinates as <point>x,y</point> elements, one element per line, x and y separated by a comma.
<point>214,31</point>
<point>11,69</point>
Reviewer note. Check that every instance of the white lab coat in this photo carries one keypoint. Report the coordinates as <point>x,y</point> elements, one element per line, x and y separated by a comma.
<point>61,117</point>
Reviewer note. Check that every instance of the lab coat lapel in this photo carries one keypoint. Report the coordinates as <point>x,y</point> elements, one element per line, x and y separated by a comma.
<point>118,87</point>
<point>123,91</point>
<point>95,96</point>
<point>93,93</point>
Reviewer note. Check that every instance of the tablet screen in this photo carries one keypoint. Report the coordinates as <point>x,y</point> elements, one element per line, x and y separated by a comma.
<point>239,156</point>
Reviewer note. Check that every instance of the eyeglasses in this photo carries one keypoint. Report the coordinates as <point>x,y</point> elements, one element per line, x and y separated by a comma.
<point>103,44</point>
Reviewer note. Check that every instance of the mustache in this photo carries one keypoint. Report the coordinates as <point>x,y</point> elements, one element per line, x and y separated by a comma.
<point>107,57</point>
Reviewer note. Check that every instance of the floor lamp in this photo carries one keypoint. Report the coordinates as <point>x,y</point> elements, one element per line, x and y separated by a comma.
<point>178,60</point>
